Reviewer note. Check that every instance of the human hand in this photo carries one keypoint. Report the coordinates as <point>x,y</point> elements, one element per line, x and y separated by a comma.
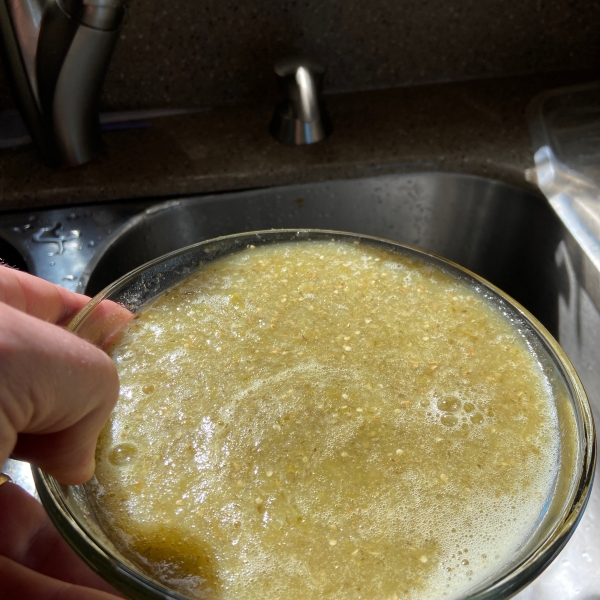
<point>56,392</point>
<point>35,562</point>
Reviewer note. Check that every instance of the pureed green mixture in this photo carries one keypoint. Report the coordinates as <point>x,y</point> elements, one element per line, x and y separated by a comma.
<point>324,420</point>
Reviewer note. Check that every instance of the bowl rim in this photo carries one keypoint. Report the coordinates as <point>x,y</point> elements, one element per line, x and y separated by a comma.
<point>112,567</point>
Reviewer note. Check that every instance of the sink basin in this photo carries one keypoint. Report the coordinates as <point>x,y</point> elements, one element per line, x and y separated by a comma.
<point>509,236</point>
<point>506,235</point>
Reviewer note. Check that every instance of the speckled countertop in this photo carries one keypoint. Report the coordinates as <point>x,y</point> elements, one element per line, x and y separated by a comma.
<point>476,127</point>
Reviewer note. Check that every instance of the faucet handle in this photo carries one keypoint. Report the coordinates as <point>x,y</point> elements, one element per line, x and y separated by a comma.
<point>301,118</point>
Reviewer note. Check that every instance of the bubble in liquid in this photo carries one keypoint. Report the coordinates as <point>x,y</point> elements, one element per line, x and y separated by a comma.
<point>468,407</point>
<point>477,419</point>
<point>449,420</point>
<point>449,404</point>
<point>122,454</point>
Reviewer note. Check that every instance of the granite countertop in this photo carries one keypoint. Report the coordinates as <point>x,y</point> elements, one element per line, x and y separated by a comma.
<point>476,127</point>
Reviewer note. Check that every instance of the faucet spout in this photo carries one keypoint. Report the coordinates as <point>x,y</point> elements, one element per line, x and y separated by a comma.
<point>57,53</point>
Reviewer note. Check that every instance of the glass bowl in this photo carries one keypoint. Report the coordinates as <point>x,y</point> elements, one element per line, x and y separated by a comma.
<point>71,511</point>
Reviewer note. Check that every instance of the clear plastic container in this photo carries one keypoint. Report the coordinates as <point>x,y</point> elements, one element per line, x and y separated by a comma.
<point>565,131</point>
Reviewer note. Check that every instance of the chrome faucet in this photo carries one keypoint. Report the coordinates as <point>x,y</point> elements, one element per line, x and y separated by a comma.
<point>57,53</point>
<point>301,118</point>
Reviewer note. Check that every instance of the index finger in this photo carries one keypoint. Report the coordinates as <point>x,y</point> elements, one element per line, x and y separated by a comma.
<point>39,298</point>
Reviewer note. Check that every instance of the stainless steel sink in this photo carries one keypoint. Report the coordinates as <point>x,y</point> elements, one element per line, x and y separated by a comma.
<point>508,236</point>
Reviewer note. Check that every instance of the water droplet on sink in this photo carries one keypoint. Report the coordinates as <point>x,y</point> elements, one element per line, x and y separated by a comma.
<point>52,263</point>
<point>55,235</point>
<point>69,277</point>
<point>566,563</point>
<point>586,556</point>
<point>91,243</point>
